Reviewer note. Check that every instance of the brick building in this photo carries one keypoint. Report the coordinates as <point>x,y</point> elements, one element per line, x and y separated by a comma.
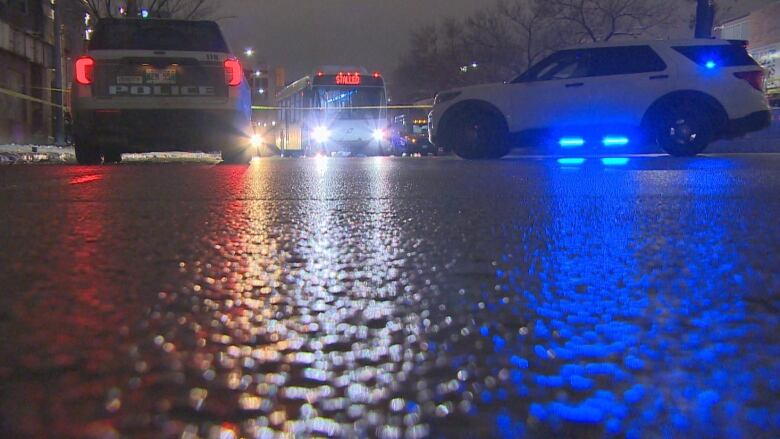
<point>27,62</point>
<point>26,51</point>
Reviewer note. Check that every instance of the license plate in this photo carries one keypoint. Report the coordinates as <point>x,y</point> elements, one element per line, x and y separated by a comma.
<point>129,80</point>
<point>164,76</point>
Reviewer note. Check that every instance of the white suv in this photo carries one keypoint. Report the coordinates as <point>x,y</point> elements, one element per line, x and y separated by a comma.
<point>158,85</point>
<point>681,94</point>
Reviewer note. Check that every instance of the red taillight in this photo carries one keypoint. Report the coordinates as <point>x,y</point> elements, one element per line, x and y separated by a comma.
<point>754,78</point>
<point>85,66</point>
<point>233,72</point>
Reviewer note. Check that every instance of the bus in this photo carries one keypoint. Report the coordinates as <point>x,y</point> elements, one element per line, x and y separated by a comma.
<point>334,111</point>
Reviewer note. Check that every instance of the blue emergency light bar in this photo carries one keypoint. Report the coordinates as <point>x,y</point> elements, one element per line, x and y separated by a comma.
<point>571,142</point>
<point>615,141</point>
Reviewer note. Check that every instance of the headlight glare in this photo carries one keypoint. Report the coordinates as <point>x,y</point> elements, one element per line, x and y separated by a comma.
<point>320,134</point>
<point>379,134</point>
<point>256,140</point>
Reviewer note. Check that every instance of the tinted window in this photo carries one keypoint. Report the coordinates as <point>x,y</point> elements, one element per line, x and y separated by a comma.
<point>158,35</point>
<point>570,64</point>
<point>625,60</point>
<point>566,64</point>
<point>724,55</point>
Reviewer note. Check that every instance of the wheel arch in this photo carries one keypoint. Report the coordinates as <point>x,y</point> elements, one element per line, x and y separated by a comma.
<point>714,107</point>
<point>449,115</point>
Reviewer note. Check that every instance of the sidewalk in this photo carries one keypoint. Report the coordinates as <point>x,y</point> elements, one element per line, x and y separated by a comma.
<point>10,154</point>
<point>13,153</point>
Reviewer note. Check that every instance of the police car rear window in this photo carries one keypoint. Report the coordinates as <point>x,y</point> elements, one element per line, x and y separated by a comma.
<point>198,36</point>
<point>726,55</point>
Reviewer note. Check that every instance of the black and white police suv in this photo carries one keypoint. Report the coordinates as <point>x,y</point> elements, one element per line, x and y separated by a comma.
<point>159,85</point>
<point>681,95</point>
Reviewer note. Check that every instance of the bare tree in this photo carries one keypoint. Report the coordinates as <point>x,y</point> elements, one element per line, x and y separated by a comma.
<point>602,20</point>
<point>510,36</point>
<point>184,9</point>
<point>536,32</point>
<point>433,61</point>
<point>488,41</point>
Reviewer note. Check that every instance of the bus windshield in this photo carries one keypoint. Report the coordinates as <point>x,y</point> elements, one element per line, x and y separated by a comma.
<point>348,98</point>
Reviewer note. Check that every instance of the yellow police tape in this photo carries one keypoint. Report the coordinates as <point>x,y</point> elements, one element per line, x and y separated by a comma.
<point>16,94</point>
<point>63,90</point>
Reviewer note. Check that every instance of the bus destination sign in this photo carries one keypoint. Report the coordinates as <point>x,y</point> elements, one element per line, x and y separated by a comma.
<point>348,78</point>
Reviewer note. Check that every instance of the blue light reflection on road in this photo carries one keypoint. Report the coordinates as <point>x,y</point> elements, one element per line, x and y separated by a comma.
<point>571,161</point>
<point>623,348</point>
<point>615,161</point>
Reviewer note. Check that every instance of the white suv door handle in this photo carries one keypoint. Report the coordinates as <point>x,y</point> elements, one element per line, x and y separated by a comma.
<point>659,77</point>
<point>575,84</point>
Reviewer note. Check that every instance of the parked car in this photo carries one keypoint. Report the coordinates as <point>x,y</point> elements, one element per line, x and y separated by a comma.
<point>682,95</point>
<point>159,85</point>
<point>411,133</point>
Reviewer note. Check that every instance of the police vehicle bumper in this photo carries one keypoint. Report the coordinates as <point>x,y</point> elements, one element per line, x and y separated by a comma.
<point>756,121</point>
<point>162,129</point>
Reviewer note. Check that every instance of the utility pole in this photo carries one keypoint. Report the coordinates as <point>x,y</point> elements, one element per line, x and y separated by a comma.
<point>57,93</point>
<point>705,18</point>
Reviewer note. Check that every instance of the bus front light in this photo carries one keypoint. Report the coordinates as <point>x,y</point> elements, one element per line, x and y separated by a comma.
<point>256,140</point>
<point>320,134</point>
<point>379,135</point>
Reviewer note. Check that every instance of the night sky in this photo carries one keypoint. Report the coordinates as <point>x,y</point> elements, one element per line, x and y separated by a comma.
<point>301,34</point>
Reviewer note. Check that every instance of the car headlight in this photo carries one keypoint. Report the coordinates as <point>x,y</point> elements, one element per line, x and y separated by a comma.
<point>320,134</point>
<point>446,96</point>
<point>379,134</point>
<point>256,140</point>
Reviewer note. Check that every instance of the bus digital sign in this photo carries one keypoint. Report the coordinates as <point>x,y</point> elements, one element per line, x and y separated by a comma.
<point>348,78</point>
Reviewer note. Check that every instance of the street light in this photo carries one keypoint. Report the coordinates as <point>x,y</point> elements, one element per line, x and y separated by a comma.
<point>249,51</point>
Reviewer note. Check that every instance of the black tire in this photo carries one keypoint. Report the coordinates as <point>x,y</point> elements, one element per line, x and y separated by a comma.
<point>87,153</point>
<point>477,134</point>
<point>236,156</point>
<point>112,156</point>
<point>684,129</point>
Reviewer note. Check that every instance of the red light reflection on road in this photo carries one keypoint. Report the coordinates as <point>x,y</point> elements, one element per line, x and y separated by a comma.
<point>85,179</point>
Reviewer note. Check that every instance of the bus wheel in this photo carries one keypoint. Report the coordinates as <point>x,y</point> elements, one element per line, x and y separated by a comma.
<point>237,154</point>
<point>112,156</point>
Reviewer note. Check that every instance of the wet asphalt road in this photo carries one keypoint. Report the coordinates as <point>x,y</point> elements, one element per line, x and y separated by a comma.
<point>392,298</point>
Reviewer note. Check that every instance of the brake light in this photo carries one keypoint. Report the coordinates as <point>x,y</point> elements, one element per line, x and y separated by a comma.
<point>85,67</point>
<point>233,72</point>
<point>754,78</point>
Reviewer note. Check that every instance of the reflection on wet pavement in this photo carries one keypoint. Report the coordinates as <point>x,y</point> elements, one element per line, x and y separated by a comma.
<point>390,298</point>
